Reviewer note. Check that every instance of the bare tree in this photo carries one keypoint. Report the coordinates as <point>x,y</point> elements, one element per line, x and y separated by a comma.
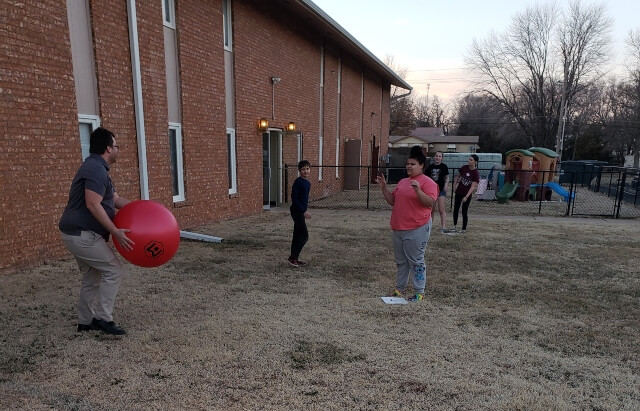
<point>421,111</point>
<point>583,42</point>
<point>401,115</point>
<point>631,93</point>
<point>430,112</point>
<point>481,115</point>
<point>590,116</point>
<point>524,68</point>
<point>515,69</point>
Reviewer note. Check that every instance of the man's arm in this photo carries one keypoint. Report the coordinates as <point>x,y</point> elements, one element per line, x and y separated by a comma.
<point>118,201</point>
<point>93,201</point>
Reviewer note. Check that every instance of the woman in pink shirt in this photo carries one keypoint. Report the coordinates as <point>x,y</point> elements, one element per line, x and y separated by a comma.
<point>412,200</point>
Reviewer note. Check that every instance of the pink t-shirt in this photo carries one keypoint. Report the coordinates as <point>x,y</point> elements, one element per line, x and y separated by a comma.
<point>408,212</point>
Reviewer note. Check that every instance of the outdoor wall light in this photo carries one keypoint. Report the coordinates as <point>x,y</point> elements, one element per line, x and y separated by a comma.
<point>263,124</point>
<point>291,126</point>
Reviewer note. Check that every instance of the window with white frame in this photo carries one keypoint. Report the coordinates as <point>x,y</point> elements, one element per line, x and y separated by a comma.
<point>177,169</point>
<point>87,123</point>
<point>226,23</point>
<point>169,13</point>
<point>232,161</point>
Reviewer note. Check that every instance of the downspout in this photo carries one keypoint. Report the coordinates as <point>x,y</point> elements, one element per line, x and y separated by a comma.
<point>139,109</point>
<point>401,95</point>
<point>137,99</point>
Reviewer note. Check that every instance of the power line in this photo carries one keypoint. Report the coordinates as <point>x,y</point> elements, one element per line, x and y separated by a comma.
<point>442,69</point>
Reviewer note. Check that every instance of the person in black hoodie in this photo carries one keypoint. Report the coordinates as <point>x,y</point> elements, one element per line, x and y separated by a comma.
<point>299,202</point>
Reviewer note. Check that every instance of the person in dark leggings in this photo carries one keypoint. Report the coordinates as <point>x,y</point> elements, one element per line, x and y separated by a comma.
<point>299,202</point>
<point>464,185</point>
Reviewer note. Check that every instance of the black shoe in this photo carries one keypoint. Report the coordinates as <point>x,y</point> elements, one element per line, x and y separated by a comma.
<point>108,327</point>
<point>84,327</point>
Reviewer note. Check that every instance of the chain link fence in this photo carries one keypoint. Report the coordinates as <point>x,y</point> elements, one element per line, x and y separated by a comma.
<point>599,191</point>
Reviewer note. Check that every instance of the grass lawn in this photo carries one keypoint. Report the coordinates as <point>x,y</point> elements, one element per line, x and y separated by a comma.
<point>520,313</point>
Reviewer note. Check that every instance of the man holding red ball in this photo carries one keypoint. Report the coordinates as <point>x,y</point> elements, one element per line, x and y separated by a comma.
<point>86,224</point>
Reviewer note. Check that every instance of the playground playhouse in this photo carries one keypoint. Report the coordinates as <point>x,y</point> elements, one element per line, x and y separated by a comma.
<point>530,175</point>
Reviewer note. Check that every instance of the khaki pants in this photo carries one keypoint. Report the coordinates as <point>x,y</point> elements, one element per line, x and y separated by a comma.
<point>101,273</point>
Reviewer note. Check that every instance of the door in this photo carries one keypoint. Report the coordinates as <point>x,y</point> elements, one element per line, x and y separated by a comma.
<point>271,169</point>
<point>266,171</point>
<point>352,149</point>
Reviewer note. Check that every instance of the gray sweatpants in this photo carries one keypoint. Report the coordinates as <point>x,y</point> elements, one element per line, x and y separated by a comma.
<point>408,248</point>
<point>101,272</point>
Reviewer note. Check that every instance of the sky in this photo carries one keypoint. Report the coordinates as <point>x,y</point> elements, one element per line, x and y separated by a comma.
<point>430,38</point>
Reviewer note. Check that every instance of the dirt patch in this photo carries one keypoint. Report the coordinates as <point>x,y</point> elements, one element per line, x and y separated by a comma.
<point>520,313</point>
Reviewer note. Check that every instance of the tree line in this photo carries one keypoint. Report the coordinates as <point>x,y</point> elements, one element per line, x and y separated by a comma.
<point>542,82</point>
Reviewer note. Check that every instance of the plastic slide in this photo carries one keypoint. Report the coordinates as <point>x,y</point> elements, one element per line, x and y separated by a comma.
<point>508,190</point>
<point>560,191</point>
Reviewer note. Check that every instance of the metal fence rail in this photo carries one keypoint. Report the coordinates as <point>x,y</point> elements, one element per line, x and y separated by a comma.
<point>601,191</point>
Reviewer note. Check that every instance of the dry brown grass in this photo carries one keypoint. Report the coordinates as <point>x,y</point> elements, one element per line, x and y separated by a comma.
<point>520,313</point>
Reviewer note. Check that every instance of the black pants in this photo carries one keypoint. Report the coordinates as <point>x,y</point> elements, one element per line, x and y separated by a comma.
<point>300,233</point>
<point>465,207</point>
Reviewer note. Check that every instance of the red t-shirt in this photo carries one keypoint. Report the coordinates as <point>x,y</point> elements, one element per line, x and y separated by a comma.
<point>466,178</point>
<point>408,212</point>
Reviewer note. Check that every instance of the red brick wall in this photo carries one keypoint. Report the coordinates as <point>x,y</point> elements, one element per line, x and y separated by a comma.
<point>330,108</point>
<point>40,149</point>
<point>371,124</point>
<point>201,54</point>
<point>38,116</point>
<point>115,91</point>
<point>264,46</point>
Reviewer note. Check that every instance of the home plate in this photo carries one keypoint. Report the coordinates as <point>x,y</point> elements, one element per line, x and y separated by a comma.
<point>394,300</point>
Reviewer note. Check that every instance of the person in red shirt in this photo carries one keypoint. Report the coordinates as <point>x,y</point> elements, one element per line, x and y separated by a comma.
<point>464,185</point>
<point>412,200</point>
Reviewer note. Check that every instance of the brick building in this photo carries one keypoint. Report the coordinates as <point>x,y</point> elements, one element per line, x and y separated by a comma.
<point>183,84</point>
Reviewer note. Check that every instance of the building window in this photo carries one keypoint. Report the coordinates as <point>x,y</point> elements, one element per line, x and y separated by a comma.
<point>451,148</point>
<point>177,171</point>
<point>231,150</point>
<point>87,124</point>
<point>226,23</point>
<point>169,13</point>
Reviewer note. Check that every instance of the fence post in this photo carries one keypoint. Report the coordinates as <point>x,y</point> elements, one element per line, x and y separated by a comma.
<point>541,191</point>
<point>286,183</point>
<point>621,196</point>
<point>368,184</point>
<point>572,187</point>
<point>635,197</point>
<point>453,177</point>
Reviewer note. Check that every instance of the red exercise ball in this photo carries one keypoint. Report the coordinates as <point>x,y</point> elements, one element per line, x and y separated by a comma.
<point>154,230</point>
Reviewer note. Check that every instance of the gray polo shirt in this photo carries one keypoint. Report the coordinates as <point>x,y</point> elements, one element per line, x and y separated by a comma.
<point>93,175</point>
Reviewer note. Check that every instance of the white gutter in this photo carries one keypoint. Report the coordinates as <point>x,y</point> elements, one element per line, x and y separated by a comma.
<point>137,99</point>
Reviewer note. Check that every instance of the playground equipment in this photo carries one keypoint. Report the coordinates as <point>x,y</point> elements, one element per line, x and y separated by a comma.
<point>508,190</point>
<point>545,160</point>
<point>530,174</point>
<point>557,188</point>
<point>519,166</point>
<point>487,188</point>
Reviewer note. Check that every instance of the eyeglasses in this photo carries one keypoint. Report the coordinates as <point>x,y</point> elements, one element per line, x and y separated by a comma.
<point>113,145</point>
